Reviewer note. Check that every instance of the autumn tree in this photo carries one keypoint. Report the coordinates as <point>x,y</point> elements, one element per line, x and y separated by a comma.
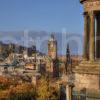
<point>44,91</point>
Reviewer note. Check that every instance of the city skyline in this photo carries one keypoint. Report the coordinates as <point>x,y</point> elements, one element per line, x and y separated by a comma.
<point>50,50</point>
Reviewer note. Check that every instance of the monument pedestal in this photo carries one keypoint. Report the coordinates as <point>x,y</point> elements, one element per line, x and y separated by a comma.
<point>87,75</point>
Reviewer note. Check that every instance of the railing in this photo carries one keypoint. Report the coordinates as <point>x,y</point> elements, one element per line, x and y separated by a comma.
<point>86,95</point>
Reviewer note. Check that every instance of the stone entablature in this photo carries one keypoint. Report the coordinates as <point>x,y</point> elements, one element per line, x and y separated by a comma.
<point>91,5</point>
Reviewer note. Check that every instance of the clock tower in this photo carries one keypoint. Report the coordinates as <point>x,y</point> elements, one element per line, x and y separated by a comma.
<point>52,47</point>
<point>52,53</point>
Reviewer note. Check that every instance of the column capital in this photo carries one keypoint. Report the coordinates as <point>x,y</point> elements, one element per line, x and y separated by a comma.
<point>91,13</point>
<point>85,14</point>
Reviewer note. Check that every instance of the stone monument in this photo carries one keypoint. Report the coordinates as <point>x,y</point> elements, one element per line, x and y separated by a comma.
<point>87,73</point>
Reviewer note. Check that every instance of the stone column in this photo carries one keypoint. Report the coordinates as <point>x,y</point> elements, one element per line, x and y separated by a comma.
<point>69,89</point>
<point>98,36</point>
<point>86,39</point>
<point>68,92</point>
<point>92,37</point>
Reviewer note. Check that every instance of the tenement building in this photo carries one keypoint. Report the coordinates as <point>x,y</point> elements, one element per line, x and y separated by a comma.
<point>87,74</point>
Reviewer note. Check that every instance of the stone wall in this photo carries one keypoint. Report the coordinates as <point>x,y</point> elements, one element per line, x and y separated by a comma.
<point>87,81</point>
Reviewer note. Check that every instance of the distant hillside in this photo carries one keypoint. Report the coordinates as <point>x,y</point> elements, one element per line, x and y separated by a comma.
<point>40,40</point>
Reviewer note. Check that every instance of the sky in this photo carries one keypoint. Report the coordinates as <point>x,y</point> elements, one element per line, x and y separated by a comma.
<point>41,15</point>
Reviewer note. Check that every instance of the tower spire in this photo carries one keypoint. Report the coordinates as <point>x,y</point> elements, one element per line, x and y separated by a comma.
<point>68,65</point>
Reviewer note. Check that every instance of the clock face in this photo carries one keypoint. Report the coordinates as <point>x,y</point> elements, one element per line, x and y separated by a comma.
<point>51,50</point>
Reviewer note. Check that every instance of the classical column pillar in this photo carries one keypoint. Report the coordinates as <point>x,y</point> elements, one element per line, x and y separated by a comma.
<point>92,37</point>
<point>68,92</point>
<point>86,39</point>
<point>98,37</point>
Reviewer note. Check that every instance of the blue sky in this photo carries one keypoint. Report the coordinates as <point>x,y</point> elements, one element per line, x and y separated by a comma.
<point>47,15</point>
